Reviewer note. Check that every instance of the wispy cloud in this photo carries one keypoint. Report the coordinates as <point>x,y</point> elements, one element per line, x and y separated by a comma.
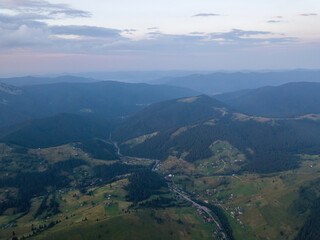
<point>308,14</point>
<point>238,33</point>
<point>274,21</point>
<point>152,28</point>
<point>87,31</point>
<point>206,15</point>
<point>197,33</point>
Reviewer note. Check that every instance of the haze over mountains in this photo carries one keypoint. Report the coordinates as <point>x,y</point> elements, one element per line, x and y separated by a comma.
<point>288,100</point>
<point>159,120</point>
<point>30,80</point>
<point>104,99</point>
<point>95,155</point>
<point>219,82</point>
<point>201,81</point>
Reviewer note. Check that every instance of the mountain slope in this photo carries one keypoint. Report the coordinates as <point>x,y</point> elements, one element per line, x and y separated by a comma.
<point>53,131</point>
<point>227,82</point>
<point>288,100</point>
<point>104,99</point>
<point>170,114</point>
<point>269,145</point>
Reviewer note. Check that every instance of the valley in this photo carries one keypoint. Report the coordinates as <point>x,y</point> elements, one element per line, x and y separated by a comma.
<point>256,206</point>
<point>159,120</point>
<point>185,168</point>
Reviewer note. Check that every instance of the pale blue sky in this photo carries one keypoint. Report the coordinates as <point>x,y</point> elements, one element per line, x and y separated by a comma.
<point>79,35</point>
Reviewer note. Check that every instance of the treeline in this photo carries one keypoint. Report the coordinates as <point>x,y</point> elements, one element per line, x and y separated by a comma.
<point>143,184</point>
<point>52,208</point>
<point>309,200</point>
<point>99,149</point>
<point>218,212</point>
<point>311,228</point>
<point>69,165</point>
<point>159,202</point>
<point>108,172</point>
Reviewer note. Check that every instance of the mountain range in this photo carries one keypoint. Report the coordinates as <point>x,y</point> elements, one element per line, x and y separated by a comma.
<point>288,100</point>
<point>221,82</point>
<point>113,160</point>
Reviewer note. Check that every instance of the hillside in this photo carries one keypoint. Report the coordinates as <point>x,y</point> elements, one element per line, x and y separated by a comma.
<point>288,100</point>
<point>104,99</point>
<point>269,145</point>
<point>170,115</point>
<point>57,130</point>
<point>220,82</point>
<point>258,176</point>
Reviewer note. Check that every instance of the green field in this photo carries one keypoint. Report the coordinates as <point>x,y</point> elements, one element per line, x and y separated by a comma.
<point>102,214</point>
<point>266,202</point>
<point>257,206</point>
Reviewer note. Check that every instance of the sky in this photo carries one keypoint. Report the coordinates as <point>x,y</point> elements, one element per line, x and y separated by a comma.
<point>38,37</point>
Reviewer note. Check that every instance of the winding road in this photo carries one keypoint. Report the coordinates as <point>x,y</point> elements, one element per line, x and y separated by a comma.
<point>174,187</point>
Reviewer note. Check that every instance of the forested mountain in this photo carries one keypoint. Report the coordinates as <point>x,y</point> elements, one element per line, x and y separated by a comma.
<point>170,115</point>
<point>221,82</point>
<point>288,100</point>
<point>104,99</point>
<point>56,130</point>
<point>268,144</point>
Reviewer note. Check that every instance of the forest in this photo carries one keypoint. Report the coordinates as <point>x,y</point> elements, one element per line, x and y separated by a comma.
<point>31,184</point>
<point>143,184</point>
<point>99,149</point>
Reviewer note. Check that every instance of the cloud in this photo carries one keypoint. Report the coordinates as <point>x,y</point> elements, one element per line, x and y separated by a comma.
<point>87,31</point>
<point>153,28</point>
<point>24,37</point>
<point>197,33</point>
<point>274,21</point>
<point>43,8</point>
<point>73,13</point>
<point>236,34</point>
<point>206,15</point>
<point>236,39</point>
<point>308,14</point>
<point>129,31</point>
<point>27,30</point>
<point>243,38</point>
<point>14,22</point>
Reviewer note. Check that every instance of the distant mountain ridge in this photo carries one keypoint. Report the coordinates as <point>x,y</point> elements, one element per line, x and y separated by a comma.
<point>288,100</point>
<point>222,82</point>
<point>30,80</point>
